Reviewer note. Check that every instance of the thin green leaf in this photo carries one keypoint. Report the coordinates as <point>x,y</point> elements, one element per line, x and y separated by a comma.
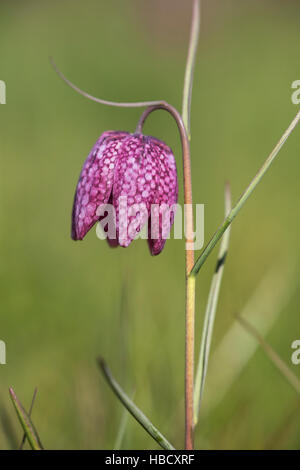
<point>210,313</point>
<point>121,430</point>
<point>236,209</point>
<point>29,414</point>
<point>189,69</point>
<point>273,356</point>
<point>26,423</point>
<point>133,409</point>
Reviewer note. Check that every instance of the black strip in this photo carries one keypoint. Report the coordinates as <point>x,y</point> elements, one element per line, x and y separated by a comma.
<point>220,262</point>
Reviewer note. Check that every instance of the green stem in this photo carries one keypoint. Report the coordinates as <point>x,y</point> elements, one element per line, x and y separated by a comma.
<point>236,209</point>
<point>29,414</point>
<point>190,281</point>
<point>189,69</point>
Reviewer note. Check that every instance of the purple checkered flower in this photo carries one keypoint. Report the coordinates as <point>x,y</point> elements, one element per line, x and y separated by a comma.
<point>133,167</point>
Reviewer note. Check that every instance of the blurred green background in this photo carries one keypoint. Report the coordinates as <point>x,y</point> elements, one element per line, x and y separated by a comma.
<point>63,303</point>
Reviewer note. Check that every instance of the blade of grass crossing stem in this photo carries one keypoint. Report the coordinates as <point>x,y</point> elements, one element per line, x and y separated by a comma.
<point>122,428</point>
<point>273,356</point>
<point>243,198</point>
<point>29,414</point>
<point>210,313</point>
<point>133,409</point>
<point>26,423</point>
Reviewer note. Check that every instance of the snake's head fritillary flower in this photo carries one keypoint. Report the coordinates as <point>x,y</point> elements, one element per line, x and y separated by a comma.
<point>134,168</point>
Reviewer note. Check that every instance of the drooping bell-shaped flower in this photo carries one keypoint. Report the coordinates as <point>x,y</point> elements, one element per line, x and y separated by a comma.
<point>134,173</point>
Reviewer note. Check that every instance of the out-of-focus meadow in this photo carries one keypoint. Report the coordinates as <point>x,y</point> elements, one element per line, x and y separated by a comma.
<point>63,303</point>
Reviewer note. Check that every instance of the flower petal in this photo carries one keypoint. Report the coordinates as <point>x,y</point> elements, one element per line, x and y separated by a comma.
<point>162,218</point>
<point>109,224</point>
<point>135,185</point>
<point>95,182</point>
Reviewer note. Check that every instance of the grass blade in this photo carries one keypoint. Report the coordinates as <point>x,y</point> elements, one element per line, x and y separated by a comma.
<point>121,431</point>
<point>132,408</point>
<point>189,69</point>
<point>273,356</point>
<point>210,313</point>
<point>236,209</point>
<point>29,414</point>
<point>26,423</point>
